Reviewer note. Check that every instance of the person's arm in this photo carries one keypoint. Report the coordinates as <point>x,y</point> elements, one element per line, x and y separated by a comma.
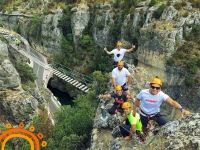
<point>129,80</point>
<point>136,104</point>
<point>105,96</point>
<point>131,49</point>
<point>114,82</point>
<point>177,105</point>
<point>131,132</point>
<point>124,119</point>
<point>105,49</point>
<point>129,97</point>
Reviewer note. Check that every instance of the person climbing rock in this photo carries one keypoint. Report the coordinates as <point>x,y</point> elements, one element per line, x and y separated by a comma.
<point>17,42</point>
<point>150,100</point>
<point>132,123</point>
<point>119,53</point>
<point>119,77</point>
<point>119,97</point>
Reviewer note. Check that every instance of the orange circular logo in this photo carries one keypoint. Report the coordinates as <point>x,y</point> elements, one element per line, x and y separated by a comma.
<point>22,133</point>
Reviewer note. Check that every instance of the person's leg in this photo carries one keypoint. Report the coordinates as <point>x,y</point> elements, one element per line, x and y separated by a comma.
<point>115,64</point>
<point>112,109</point>
<point>127,92</point>
<point>160,119</point>
<point>125,89</point>
<point>125,129</point>
<point>144,121</point>
<point>125,65</point>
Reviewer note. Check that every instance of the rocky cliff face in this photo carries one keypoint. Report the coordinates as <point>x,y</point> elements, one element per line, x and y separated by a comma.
<point>158,39</point>
<point>21,105</point>
<point>48,31</point>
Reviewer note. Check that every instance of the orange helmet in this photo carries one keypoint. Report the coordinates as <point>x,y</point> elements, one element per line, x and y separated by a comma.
<point>120,63</point>
<point>126,105</point>
<point>118,88</point>
<point>119,43</point>
<point>156,80</point>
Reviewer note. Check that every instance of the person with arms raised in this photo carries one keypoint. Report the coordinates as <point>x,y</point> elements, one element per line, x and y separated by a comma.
<point>119,53</point>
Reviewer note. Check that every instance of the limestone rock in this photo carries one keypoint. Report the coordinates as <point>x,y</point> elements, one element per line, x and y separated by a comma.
<point>80,18</point>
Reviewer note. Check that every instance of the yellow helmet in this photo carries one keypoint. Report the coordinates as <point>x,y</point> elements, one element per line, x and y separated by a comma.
<point>156,80</point>
<point>119,43</point>
<point>118,88</point>
<point>126,105</point>
<point>120,63</point>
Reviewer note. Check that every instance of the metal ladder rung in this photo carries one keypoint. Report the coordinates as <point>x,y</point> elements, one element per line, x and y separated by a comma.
<point>78,84</point>
<point>75,83</point>
<point>85,88</point>
<point>62,76</point>
<point>70,80</point>
<point>81,86</point>
<point>65,77</point>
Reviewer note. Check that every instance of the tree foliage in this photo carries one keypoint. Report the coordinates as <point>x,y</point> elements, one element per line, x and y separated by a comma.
<point>74,124</point>
<point>101,81</point>
<point>43,124</point>
<point>26,72</point>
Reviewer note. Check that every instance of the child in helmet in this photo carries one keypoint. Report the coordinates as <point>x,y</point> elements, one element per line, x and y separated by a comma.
<point>119,97</point>
<point>119,53</point>
<point>133,124</point>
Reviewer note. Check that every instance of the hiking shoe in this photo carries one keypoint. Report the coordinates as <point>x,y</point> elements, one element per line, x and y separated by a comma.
<point>148,126</point>
<point>116,111</point>
<point>155,132</point>
<point>141,138</point>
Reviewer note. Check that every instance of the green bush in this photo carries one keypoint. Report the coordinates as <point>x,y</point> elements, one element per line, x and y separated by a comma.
<point>100,24</point>
<point>25,72</point>
<point>184,3</point>
<point>170,61</point>
<point>180,55</point>
<point>117,3</point>
<point>115,30</point>
<point>74,124</point>
<point>35,26</point>
<point>17,29</point>
<point>3,39</point>
<point>101,81</point>
<point>192,65</point>
<point>190,81</point>
<point>159,11</point>
<point>178,5</point>
<point>152,3</point>
<point>196,3</point>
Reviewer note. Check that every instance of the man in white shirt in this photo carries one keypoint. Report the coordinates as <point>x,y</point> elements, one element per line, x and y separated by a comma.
<point>150,101</point>
<point>119,53</point>
<point>119,77</point>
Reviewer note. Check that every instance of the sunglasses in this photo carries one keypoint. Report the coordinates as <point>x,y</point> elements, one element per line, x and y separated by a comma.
<point>153,87</point>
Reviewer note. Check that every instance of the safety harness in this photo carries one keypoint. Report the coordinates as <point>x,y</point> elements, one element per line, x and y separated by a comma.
<point>148,115</point>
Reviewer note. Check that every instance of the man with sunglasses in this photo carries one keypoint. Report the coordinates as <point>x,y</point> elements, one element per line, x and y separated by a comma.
<point>150,101</point>
<point>119,53</point>
<point>119,77</point>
